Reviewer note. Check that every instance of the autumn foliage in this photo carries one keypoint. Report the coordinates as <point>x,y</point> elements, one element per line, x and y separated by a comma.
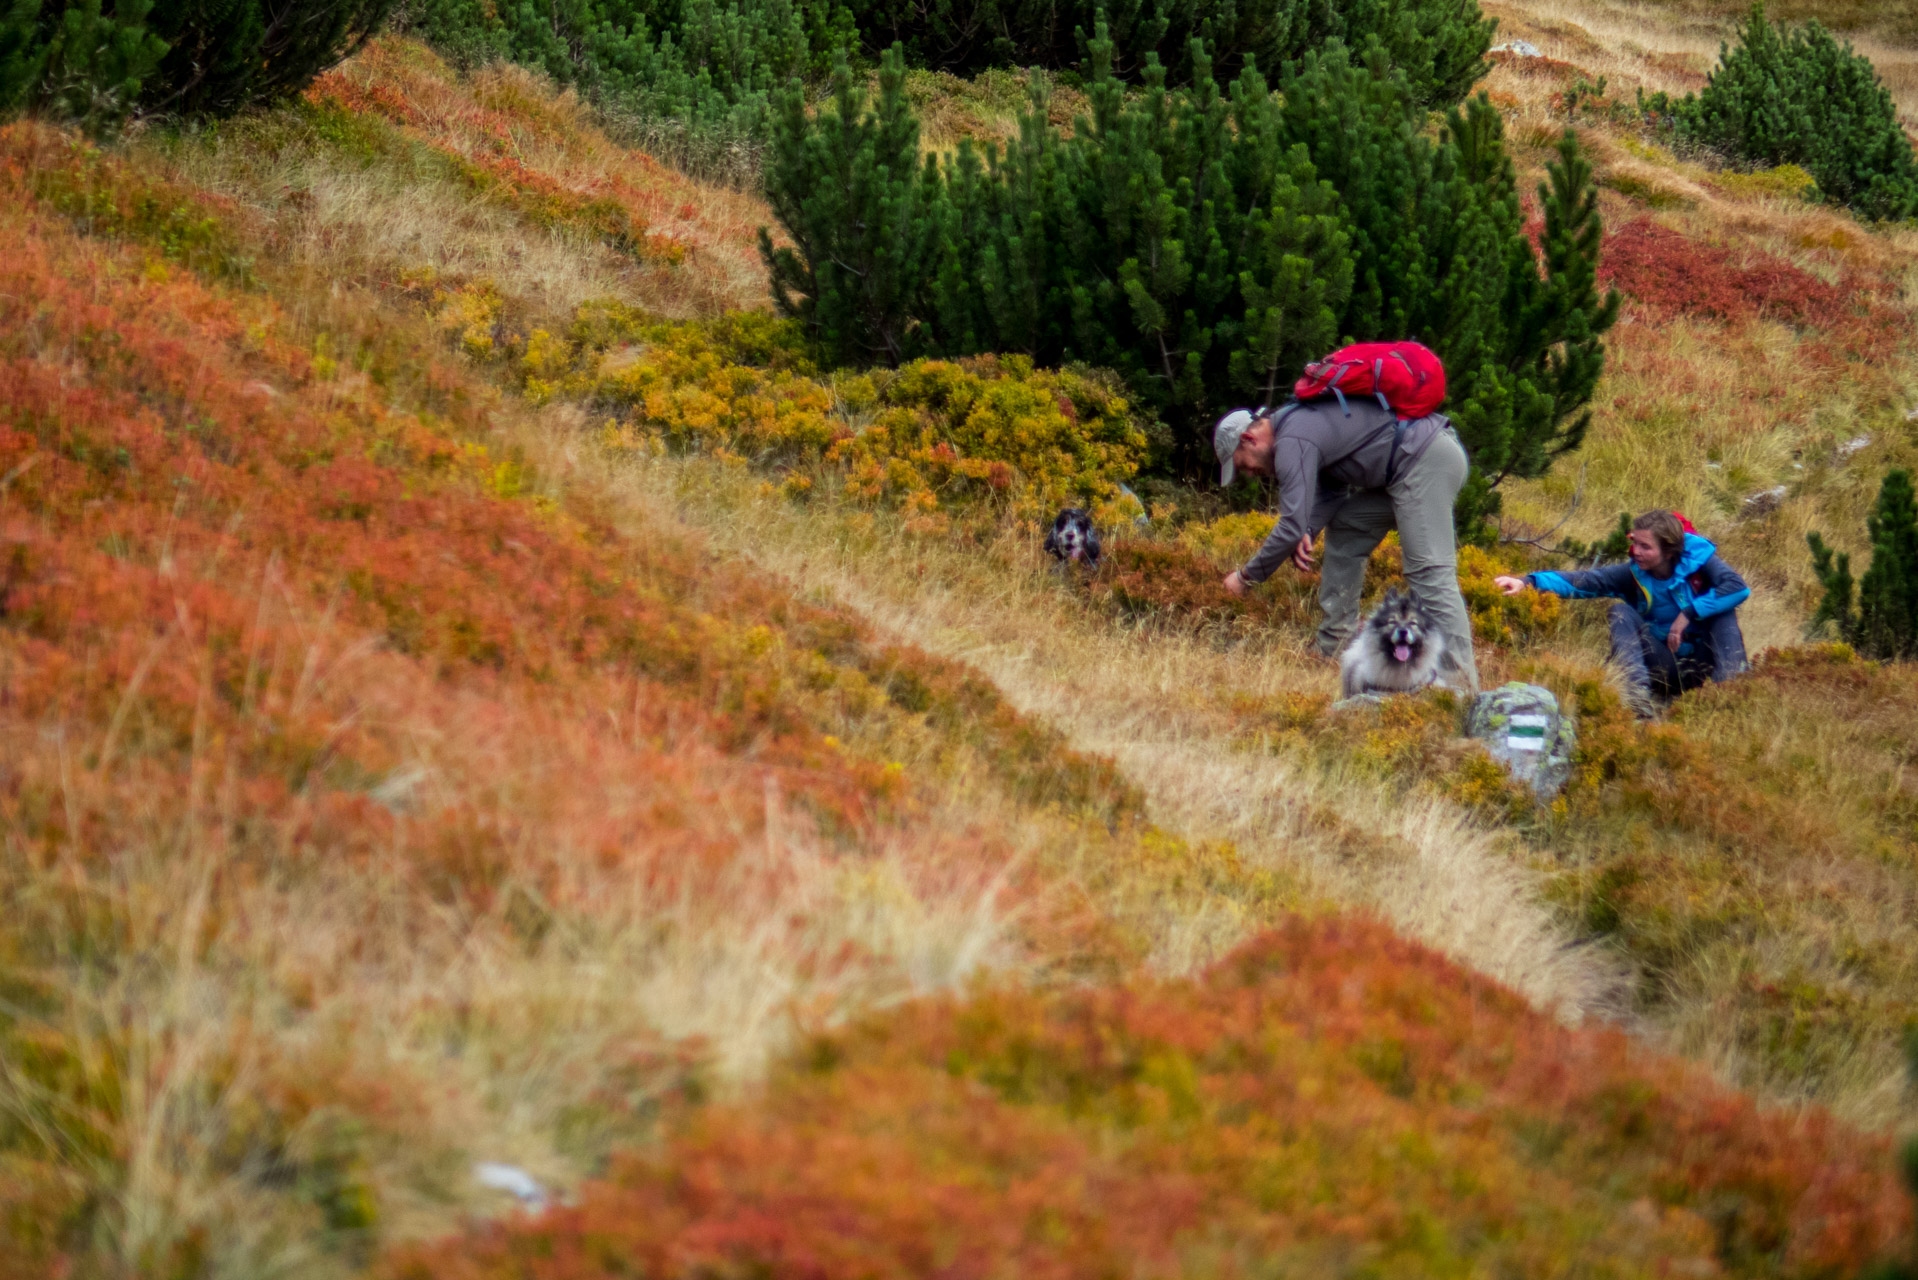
<point>301,617</point>
<point>1330,1097</point>
<point>381,785</point>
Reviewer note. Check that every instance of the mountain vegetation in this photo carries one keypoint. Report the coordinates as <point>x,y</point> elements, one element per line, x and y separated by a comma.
<point>1205,245</point>
<point>1796,95</point>
<point>1883,621</point>
<point>76,60</point>
<point>485,700</point>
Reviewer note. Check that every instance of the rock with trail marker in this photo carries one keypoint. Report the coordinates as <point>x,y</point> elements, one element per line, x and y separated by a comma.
<point>1524,730</point>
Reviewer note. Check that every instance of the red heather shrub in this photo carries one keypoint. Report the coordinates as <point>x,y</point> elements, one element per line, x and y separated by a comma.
<point>255,600</point>
<point>143,420</point>
<point>1177,584</point>
<point>408,88</point>
<point>1667,273</point>
<point>1329,1100</point>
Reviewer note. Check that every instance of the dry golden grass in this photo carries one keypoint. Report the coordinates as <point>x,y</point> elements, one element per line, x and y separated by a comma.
<point>1695,412</point>
<point>1671,46</point>
<point>214,968</point>
<point>378,198</point>
<point>1160,704</point>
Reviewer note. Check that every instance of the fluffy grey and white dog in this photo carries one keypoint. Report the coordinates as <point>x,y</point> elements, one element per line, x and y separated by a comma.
<point>1396,650</point>
<point>1073,538</point>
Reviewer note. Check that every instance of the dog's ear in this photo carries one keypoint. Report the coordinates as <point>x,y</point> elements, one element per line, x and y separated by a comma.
<point>1391,599</point>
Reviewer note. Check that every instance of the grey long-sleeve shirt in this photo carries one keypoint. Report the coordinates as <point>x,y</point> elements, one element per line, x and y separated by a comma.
<point>1321,454</point>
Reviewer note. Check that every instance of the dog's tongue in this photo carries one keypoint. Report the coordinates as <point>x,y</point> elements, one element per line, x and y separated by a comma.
<point>1403,652</point>
<point>1078,553</point>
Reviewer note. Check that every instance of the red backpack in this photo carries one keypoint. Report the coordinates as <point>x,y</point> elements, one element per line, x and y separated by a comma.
<point>1407,378</point>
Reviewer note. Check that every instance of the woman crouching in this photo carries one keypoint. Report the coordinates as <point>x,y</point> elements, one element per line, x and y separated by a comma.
<point>1676,624</point>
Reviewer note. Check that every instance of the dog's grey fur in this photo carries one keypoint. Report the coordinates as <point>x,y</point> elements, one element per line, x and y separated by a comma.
<point>1370,664</point>
<point>1073,537</point>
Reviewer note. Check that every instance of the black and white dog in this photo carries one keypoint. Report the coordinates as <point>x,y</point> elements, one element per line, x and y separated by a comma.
<point>1073,539</point>
<point>1396,650</point>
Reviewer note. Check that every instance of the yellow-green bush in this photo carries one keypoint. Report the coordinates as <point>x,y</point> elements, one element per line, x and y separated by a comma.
<point>1786,182</point>
<point>1496,617</point>
<point>940,427</point>
<point>921,438</point>
<point>1230,540</point>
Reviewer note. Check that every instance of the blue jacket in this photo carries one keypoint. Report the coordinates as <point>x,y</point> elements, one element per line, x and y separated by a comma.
<point>1701,586</point>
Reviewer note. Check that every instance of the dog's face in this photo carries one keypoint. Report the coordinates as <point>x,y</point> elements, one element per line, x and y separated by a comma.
<point>1400,628</point>
<point>1073,537</point>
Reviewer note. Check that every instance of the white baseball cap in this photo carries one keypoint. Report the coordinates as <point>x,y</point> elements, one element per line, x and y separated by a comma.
<point>1225,440</point>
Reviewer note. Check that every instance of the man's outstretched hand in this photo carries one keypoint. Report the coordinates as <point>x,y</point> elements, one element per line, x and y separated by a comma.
<point>1509,585</point>
<point>1302,557</point>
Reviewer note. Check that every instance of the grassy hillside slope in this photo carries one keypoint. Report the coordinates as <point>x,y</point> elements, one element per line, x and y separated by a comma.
<point>451,716</point>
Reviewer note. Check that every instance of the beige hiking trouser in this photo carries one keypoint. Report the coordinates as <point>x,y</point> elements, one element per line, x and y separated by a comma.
<point>1419,506</point>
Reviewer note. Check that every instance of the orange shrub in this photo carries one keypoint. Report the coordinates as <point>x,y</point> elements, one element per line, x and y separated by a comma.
<point>246,568</point>
<point>1143,578</point>
<point>404,88</point>
<point>1330,1097</point>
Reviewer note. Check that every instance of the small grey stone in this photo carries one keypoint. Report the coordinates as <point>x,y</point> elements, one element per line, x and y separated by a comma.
<point>514,1181</point>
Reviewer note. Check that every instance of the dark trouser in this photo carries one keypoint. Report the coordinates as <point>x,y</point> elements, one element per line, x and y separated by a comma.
<point>1718,652</point>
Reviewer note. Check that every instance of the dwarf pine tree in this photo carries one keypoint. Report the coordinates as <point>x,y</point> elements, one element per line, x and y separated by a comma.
<point>1206,260</point>
<point>98,65</point>
<point>22,53</point>
<point>1438,45</point>
<point>1206,245</point>
<point>1442,257</point>
<point>1838,606</point>
<point>1174,237</point>
<point>1798,96</point>
<point>223,55</point>
<point>77,60</point>
<point>864,218</point>
<point>1883,623</point>
<point>689,79</point>
<point>1888,593</point>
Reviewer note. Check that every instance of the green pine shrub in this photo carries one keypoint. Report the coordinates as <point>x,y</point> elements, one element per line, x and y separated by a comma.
<point>1442,257</point>
<point>688,79</point>
<point>1609,549</point>
<point>75,60</point>
<point>224,55</point>
<point>1878,614</point>
<point>1799,96</point>
<point>1205,245</point>
<point>1439,44</point>
<point>848,187</point>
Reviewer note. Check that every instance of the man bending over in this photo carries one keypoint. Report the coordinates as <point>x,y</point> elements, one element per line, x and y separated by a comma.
<point>1675,625</point>
<point>1357,472</point>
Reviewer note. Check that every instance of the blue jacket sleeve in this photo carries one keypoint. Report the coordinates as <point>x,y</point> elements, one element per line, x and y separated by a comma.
<point>1614,580</point>
<point>1725,591</point>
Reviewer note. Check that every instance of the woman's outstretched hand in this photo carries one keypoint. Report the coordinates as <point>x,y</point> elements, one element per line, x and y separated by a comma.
<point>1234,583</point>
<point>1509,585</point>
